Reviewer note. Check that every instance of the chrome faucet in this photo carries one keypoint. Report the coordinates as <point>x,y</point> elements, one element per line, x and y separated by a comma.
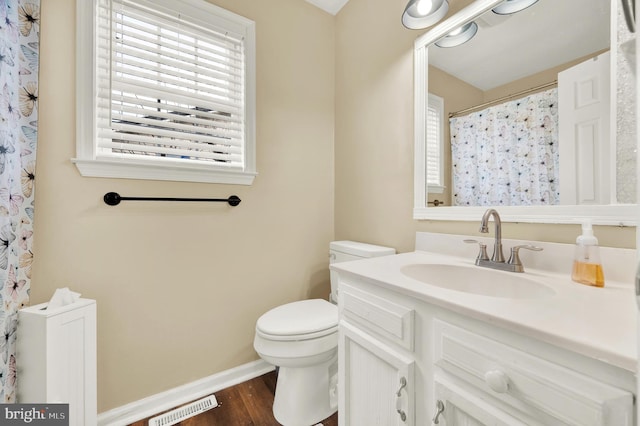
<point>497,245</point>
<point>497,259</point>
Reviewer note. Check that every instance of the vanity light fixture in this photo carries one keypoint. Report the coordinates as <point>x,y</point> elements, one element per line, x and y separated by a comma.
<point>512,6</point>
<point>458,36</point>
<point>421,14</point>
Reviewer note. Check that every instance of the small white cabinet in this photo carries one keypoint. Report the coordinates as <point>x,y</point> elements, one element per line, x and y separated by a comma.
<point>57,358</point>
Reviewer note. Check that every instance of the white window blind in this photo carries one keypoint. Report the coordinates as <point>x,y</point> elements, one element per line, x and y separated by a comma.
<point>434,149</point>
<point>171,78</point>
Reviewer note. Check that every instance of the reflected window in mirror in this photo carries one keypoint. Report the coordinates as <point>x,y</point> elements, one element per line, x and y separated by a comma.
<point>435,144</point>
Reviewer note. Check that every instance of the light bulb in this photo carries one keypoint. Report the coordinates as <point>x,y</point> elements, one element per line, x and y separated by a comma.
<point>424,7</point>
<point>423,13</point>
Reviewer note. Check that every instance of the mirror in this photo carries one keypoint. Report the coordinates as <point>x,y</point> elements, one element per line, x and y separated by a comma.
<point>497,63</point>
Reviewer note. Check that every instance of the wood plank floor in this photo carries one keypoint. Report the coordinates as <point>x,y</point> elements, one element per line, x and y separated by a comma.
<point>245,404</point>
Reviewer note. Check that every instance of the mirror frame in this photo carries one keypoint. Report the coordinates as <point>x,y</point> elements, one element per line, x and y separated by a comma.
<point>617,214</point>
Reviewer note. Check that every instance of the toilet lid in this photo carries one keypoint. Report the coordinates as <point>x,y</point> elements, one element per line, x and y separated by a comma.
<point>299,318</point>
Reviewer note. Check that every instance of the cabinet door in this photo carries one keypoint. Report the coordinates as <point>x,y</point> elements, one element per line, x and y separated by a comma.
<point>461,406</point>
<point>376,382</point>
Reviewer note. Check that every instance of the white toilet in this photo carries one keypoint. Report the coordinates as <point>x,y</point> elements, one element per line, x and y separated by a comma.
<point>301,338</point>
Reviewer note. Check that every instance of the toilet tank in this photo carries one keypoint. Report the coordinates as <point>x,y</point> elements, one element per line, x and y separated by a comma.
<point>344,251</point>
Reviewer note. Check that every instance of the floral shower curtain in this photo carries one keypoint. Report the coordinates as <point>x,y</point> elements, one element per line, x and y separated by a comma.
<point>19,52</point>
<point>507,154</point>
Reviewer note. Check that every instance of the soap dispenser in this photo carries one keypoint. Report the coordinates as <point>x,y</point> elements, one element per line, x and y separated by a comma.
<point>587,268</point>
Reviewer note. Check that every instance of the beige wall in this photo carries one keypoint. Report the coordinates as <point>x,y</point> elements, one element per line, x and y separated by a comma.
<point>374,138</point>
<point>180,286</point>
<point>374,124</point>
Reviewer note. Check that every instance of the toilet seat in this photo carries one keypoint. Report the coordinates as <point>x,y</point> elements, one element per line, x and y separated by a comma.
<point>303,320</point>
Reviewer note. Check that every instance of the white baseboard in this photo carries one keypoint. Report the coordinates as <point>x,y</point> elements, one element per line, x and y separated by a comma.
<point>147,407</point>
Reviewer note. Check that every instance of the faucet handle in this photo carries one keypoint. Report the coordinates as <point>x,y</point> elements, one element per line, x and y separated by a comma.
<point>482,254</point>
<point>514,259</point>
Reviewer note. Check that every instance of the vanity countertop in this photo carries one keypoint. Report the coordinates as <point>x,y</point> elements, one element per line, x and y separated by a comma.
<point>597,322</point>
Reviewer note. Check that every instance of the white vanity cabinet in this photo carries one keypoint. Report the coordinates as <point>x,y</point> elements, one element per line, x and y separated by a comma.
<point>400,356</point>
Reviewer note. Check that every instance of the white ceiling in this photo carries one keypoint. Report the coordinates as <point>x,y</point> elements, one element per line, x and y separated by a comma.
<point>545,35</point>
<point>330,6</point>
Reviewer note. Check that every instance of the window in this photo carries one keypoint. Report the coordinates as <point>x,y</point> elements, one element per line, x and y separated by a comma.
<point>435,142</point>
<point>166,91</point>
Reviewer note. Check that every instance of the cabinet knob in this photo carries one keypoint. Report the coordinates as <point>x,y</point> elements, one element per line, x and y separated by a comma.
<point>497,381</point>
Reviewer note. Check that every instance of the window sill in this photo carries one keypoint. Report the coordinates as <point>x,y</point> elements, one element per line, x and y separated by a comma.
<point>123,169</point>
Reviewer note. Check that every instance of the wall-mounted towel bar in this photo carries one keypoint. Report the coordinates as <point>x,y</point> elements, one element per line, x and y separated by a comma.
<point>113,199</point>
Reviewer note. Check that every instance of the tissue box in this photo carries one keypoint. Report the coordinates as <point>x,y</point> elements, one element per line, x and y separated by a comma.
<point>56,358</point>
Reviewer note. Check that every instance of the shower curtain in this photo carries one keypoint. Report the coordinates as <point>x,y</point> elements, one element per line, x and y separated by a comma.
<point>19,50</point>
<point>507,155</point>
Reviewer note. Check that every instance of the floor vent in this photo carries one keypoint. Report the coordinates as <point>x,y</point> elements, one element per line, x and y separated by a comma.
<point>182,413</point>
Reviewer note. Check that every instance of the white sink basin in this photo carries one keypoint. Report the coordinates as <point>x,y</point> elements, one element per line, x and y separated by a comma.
<point>478,280</point>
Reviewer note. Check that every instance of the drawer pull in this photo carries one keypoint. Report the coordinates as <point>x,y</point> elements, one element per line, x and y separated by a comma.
<point>439,410</point>
<point>497,381</point>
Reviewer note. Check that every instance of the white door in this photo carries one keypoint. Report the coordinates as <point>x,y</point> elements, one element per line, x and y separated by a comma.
<point>584,100</point>
<point>376,382</point>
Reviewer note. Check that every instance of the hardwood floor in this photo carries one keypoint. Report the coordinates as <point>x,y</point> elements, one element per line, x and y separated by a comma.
<point>245,404</point>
